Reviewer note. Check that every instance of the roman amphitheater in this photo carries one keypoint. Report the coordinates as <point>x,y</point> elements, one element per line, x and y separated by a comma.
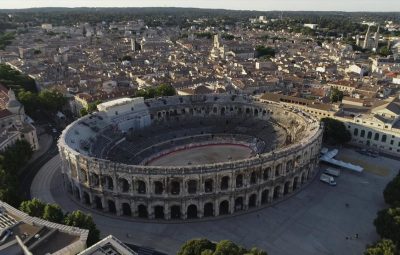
<point>187,157</point>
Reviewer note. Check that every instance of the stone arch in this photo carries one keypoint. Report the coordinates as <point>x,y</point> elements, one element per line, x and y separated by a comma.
<point>277,192</point>
<point>252,200</point>
<point>222,111</point>
<point>192,186</point>
<point>369,135</point>
<point>142,211</point>
<point>239,180</point>
<point>95,179</point>
<point>86,198</point>
<point>176,212</point>
<point>255,112</point>
<point>303,179</point>
<point>111,206</point>
<point>362,134</point>
<point>83,175</point>
<point>355,132</point>
<point>224,207</point>
<point>175,187</point>
<point>98,203</point>
<point>141,187</point>
<point>108,182</point>
<point>295,182</point>
<point>123,185</point>
<point>289,166</point>
<point>158,187</point>
<point>278,170</point>
<point>253,177</point>
<point>238,204</point>
<point>267,173</point>
<point>208,209</point>
<point>286,188</point>
<point>159,212</point>
<point>225,183</point>
<point>126,209</point>
<point>208,185</point>
<point>264,196</point>
<point>191,211</point>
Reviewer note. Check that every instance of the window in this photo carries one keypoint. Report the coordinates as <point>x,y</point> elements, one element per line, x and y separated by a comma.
<point>391,142</point>
<point>116,112</point>
<point>383,139</point>
<point>369,136</point>
<point>355,132</point>
<point>376,137</point>
<point>362,133</point>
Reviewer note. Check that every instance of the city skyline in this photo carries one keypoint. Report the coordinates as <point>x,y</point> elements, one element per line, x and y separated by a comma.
<point>286,5</point>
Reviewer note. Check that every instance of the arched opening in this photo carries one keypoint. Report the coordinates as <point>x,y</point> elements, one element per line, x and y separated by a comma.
<point>192,186</point>
<point>124,185</point>
<point>175,188</point>
<point>224,207</point>
<point>355,133</point>
<point>303,178</point>
<point>83,175</point>
<point>142,211</point>
<point>215,110</point>
<point>94,180</point>
<point>99,204</point>
<point>192,212</point>
<point>362,133</point>
<point>126,209</point>
<point>238,204</point>
<point>239,180</point>
<point>159,212</point>
<point>255,112</point>
<point>278,170</point>
<point>108,182</point>
<point>86,198</point>
<point>286,188</point>
<point>158,187</point>
<point>264,196</point>
<point>295,181</point>
<point>175,212</point>
<point>225,183</point>
<point>289,166</point>
<point>222,111</point>
<point>141,187</point>
<point>252,200</point>
<point>369,135</point>
<point>247,110</point>
<point>208,185</point>
<point>111,206</point>
<point>277,191</point>
<point>253,178</point>
<point>266,174</point>
<point>208,210</point>
<point>77,193</point>
<point>376,138</point>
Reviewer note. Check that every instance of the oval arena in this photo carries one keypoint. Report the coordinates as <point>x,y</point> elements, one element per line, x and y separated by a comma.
<point>187,157</point>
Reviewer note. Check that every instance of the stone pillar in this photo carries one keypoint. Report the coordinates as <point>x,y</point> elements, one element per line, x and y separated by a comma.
<point>216,207</point>
<point>118,208</point>
<point>167,211</point>
<point>271,195</point>
<point>150,211</point>
<point>104,203</point>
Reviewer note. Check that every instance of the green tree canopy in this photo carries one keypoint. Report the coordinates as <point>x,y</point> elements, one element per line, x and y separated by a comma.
<point>53,213</point>
<point>388,224</point>
<point>383,247</point>
<point>159,91</point>
<point>16,80</point>
<point>34,207</point>
<point>335,132</point>
<point>336,95</point>
<point>85,221</point>
<point>224,247</point>
<point>52,100</point>
<point>262,51</point>
<point>392,192</point>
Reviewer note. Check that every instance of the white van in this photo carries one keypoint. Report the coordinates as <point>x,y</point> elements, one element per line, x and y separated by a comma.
<point>327,179</point>
<point>332,172</point>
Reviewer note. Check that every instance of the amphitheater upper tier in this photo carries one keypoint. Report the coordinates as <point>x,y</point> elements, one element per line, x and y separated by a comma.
<point>188,156</point>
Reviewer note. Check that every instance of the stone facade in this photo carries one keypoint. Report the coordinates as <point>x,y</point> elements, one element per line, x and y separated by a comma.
<point>196,191</point>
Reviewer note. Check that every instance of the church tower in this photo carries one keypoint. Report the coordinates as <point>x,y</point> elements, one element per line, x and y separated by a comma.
<point>376,39</point>
<point>366,40</point>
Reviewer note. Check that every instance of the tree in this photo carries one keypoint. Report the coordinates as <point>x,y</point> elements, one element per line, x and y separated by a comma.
<point>83,112</point>
<point>52,100</point>
<point>256,251</point>
<point>82,220</point>
<point>53,213</point>
<point>336,95</point>
<point>226,247</point>
<point>30,100</point>
<point>385,51</point>
<point>387,224</point>
<point>34,207</point>
<point>392,192</point>
<point>196,247</point>
<point>262,51</point>
<point>165,90</point>
<point>335,132</point>
<point>16,156</point>
<point>382,247</point>
<point>127,58</point>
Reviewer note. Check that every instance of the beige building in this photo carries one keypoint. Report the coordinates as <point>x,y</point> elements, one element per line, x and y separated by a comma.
<point>14,124</point>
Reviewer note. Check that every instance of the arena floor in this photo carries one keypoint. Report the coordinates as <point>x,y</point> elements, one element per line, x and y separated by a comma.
<point>203,155</point>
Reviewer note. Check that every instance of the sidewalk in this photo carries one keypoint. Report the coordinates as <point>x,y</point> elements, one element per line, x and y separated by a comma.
<point>45,141</point>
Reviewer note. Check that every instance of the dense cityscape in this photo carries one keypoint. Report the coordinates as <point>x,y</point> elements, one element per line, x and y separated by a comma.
<point>199,131</point>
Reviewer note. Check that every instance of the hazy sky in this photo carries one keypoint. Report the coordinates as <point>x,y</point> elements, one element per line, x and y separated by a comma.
<point>326,5</point>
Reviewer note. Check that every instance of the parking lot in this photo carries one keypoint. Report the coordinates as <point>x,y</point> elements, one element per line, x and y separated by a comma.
<point>314,221</point>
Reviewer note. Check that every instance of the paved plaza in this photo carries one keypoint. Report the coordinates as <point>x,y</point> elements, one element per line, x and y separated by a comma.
<point>315,220</point>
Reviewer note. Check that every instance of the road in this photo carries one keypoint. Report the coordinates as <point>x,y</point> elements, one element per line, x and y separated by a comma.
<point>314,221</point>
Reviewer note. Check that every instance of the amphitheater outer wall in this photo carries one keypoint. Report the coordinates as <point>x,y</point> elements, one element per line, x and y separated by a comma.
<point>191,192</point>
